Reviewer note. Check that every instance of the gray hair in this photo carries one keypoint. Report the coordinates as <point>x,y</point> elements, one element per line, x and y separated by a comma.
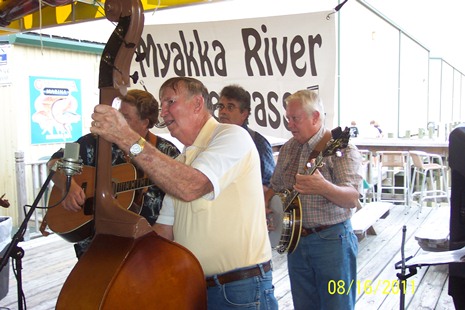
<point>310,100</point>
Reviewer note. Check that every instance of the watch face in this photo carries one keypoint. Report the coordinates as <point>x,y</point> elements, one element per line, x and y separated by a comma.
<point>135,149</point>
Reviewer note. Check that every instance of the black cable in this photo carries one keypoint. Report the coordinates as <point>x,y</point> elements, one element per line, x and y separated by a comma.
<point>339,6</point>
<point>68,186</point>
<point>22,296</point>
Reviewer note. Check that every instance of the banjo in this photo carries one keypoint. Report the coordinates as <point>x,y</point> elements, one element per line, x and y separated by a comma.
<point>286,206</point>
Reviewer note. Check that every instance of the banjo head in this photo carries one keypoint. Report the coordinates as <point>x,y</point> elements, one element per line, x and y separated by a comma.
<point>276,205</point>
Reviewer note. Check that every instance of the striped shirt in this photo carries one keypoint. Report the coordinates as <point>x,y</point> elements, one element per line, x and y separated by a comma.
<point>341,171</point>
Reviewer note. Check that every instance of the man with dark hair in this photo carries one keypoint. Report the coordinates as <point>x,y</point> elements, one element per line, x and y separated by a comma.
<point>234,108</point>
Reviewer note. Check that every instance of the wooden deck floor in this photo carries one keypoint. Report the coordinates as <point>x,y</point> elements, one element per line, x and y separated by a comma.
<point>48,261</point>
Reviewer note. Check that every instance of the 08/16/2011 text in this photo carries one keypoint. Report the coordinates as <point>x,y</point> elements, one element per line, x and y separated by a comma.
<point>385,287</point>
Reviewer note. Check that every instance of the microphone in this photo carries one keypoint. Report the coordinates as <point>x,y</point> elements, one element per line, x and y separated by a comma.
<point>70,164</point>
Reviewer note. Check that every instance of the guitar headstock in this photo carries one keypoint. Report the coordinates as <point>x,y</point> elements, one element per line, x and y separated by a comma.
<point>120,48</point>
<point>339,141</point>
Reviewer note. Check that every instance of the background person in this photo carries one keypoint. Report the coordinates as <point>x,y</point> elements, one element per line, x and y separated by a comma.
<point>353,129</point>
<point>374,131</point>
<point>376,125</point>
<point>234,108</point>
<point>327,249</point>
<point>140,109</point>
<point>214,202</point>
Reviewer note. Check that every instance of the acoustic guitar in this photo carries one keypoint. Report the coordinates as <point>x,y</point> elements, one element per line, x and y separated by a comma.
<point>286,206</point>
<point>77,226</point>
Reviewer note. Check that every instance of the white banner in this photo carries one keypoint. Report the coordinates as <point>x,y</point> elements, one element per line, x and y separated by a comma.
<point>270,57</point>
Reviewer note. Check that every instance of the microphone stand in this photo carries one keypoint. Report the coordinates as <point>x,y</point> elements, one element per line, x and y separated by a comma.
<point>402,276</point>
<point>16,252</point>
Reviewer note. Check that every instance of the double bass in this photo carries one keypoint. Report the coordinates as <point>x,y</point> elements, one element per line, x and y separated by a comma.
<point>127,265</point>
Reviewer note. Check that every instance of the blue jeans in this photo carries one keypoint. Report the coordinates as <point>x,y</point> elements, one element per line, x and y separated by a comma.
<point>252,293</point>
<point>322,267</point>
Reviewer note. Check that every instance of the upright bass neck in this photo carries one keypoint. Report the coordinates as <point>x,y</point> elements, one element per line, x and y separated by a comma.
<point>114,78</point>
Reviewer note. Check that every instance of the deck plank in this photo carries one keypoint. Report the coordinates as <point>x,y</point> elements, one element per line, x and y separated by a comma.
<point>48,261</point>
<point>428,293</point>
<point>46,264</point>
<point>377,259</point>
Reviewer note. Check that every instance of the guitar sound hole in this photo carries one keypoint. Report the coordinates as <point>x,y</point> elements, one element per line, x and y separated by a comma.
<point>89,207</point>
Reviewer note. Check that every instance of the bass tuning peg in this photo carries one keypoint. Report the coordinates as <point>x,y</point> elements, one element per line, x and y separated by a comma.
<point>134,77</point>
<point>140,56</point>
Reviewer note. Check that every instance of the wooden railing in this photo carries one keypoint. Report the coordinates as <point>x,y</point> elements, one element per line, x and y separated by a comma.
<point>29,180</point>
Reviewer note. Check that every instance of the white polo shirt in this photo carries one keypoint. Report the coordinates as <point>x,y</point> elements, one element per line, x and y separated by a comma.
<point>226,229</point>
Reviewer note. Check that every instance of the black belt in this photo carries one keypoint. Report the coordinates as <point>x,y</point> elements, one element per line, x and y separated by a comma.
<point>239,275</point>
<point>308,231</point>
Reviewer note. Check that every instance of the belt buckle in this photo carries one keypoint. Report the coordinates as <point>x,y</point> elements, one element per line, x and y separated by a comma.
<point>306,232</point>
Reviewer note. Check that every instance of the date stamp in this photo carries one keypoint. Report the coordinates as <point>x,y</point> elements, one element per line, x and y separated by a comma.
<point>369,287</point>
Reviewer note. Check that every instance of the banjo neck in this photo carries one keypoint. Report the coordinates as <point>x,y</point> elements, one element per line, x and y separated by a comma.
<point>309,169</point>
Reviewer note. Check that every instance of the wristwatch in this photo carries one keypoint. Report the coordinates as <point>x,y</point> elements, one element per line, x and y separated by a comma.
<point>137,148</point>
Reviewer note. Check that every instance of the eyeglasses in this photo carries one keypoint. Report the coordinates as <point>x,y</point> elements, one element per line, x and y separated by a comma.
<point>230,107</point>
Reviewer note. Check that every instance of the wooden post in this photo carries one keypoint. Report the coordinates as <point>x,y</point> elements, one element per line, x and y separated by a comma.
<point>21,190</point>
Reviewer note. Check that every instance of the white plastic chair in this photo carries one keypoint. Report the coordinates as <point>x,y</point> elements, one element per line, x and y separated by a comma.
<point>393,176</point>
<point>429,178</point>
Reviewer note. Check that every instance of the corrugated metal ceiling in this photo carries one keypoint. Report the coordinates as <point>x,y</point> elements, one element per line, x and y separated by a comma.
<point>24,15</point>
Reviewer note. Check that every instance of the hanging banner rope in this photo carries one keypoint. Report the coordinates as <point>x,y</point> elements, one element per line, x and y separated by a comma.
<point>336,9</point>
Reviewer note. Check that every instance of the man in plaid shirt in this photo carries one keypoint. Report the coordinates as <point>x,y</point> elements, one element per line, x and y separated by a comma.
<point>327,249</point>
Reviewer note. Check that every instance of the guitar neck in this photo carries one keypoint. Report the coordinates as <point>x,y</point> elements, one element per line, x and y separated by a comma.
<point>132,185</point>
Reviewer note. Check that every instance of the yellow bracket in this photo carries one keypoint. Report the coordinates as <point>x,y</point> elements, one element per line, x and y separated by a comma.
<point>80,11</point>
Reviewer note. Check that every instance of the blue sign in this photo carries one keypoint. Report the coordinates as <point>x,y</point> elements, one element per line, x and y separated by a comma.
<point>3,59</point>
<point>56,110</point>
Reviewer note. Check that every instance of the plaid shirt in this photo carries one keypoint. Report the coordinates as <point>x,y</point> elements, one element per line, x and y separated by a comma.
<point>341,171</point>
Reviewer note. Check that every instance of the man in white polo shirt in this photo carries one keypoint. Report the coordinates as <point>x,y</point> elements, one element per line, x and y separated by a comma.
<point>214,204</point>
